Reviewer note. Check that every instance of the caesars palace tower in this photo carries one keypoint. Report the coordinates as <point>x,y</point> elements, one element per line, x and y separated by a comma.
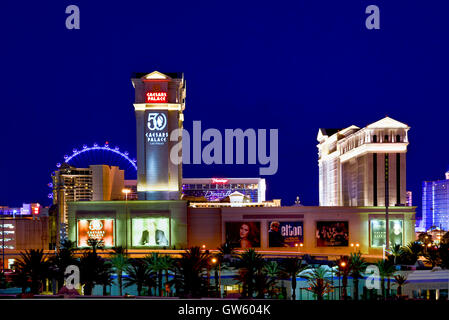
<point>159,103</point>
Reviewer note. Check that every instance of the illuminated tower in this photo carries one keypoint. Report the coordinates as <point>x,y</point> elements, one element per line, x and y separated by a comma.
<point>159,103</point>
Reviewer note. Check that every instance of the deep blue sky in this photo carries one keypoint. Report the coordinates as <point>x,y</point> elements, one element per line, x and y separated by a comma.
<point>295,66</point>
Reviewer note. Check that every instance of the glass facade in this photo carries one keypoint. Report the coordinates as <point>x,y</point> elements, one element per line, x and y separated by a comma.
<point>435,205</point>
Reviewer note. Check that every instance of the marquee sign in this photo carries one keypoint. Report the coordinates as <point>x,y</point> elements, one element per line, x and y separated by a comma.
<point>219,180</point>
<point>156,97</point>
<point>98,229</point>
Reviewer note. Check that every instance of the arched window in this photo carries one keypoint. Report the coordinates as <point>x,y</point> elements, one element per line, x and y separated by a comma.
<point>398,138</point>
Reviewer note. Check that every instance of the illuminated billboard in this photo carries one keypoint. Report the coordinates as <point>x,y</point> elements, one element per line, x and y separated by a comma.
<point>285,234</point>
<point>156,97</point>
<point>378,232</point>
<point>243,234</point>
<point>150,232</point>
<point>332,234</point>
<point>98,229</point>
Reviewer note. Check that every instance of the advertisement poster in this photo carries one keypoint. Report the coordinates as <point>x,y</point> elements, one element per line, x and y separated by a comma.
<point>243,234</point>
<point>150,232</point>
<point>378,233</point>
<point>332,234</point>
<point>98,229</point>
<point>285,234</point>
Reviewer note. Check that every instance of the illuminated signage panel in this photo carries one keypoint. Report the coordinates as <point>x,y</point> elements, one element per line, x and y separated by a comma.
<point>378,232</point>
<point>98,229</point>
<point>332,234</point>
<point>285,234</point>
<point>243,234</point>
<point>220,180</point>
<point>156,97</point>
<point>150,232</point>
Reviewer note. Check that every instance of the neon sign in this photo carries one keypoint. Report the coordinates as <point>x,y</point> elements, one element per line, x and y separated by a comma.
<point>221,181</point>
<point>156,97</point>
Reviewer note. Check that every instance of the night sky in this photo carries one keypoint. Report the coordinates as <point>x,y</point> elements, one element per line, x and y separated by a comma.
<point>294,66</point>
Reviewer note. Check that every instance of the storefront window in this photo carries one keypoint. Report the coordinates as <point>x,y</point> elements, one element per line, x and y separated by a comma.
<point>378,232</point>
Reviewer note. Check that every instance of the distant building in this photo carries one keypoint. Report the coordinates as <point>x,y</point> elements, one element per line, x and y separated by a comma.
<point>409,201</point>
<point>219,189</point>
<point>96,183</point>
<point>22,228</point>
<point>352,164</point>
<point>435,204</point>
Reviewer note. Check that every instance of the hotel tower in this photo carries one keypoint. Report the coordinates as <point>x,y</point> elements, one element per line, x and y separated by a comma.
<point>159,103</point>
<point>352,164</point>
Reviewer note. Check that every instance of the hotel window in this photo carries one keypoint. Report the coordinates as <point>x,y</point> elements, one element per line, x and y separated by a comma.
<point>386,138</point>
<point>374,138</point>
<point>398,138</point>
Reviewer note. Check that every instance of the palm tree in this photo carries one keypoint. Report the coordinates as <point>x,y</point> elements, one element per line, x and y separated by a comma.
<point>139,275</point>
<point>63,258</point>
<point>34,265</point>
<point>95,244</point>
<point>156,265</point>
<point>386,270</point>
<point>189,272</point>
<point>90,265</point>
<point>396,251</point>
<point>167,264</point>
<point>318,283</point>
<point>119,261</point>
<point>273,272</point>
<point>444,254</point>
<point>401,280</point>
<point>357,266</point>
<point>249,264</point>
<point>343,272</point>
<point>291,267</point>
<point>412,252</point>
<point>432,256</point>
<point>105,276</point>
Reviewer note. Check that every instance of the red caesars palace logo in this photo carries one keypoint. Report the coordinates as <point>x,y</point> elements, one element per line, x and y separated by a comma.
<point>156,97</point>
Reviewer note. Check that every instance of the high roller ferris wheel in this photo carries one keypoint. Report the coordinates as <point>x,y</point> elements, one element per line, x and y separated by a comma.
<point>100,154</point>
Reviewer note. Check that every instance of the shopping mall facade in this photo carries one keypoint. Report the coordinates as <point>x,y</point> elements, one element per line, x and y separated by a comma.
<point>160,219</point>
<point>326,231</point>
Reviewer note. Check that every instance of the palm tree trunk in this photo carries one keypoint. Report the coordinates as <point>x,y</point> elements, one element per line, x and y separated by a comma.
<point>104,290</point>
<point>356,288</point>
<point>88,289</point>
<point>216,282</point>
<point>139,289</point>
<point>344,283</point>
<point>166,281</point>
<point>119,278</point>
<point>382,287</point>
<point>159,278</point>
<point>293,287</point>
<point>388,287</point>
<point>399,290</point>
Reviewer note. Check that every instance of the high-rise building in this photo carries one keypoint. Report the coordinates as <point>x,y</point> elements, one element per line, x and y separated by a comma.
<point>435,204</point>
<point>409,201</point>
<point>98,182</point>
<point>159,104</point>
<point>352,163</point>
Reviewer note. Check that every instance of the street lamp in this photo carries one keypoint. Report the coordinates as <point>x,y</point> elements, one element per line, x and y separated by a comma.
<point>214,261</point>
<point>126,192</point>
<point>342,265</point>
